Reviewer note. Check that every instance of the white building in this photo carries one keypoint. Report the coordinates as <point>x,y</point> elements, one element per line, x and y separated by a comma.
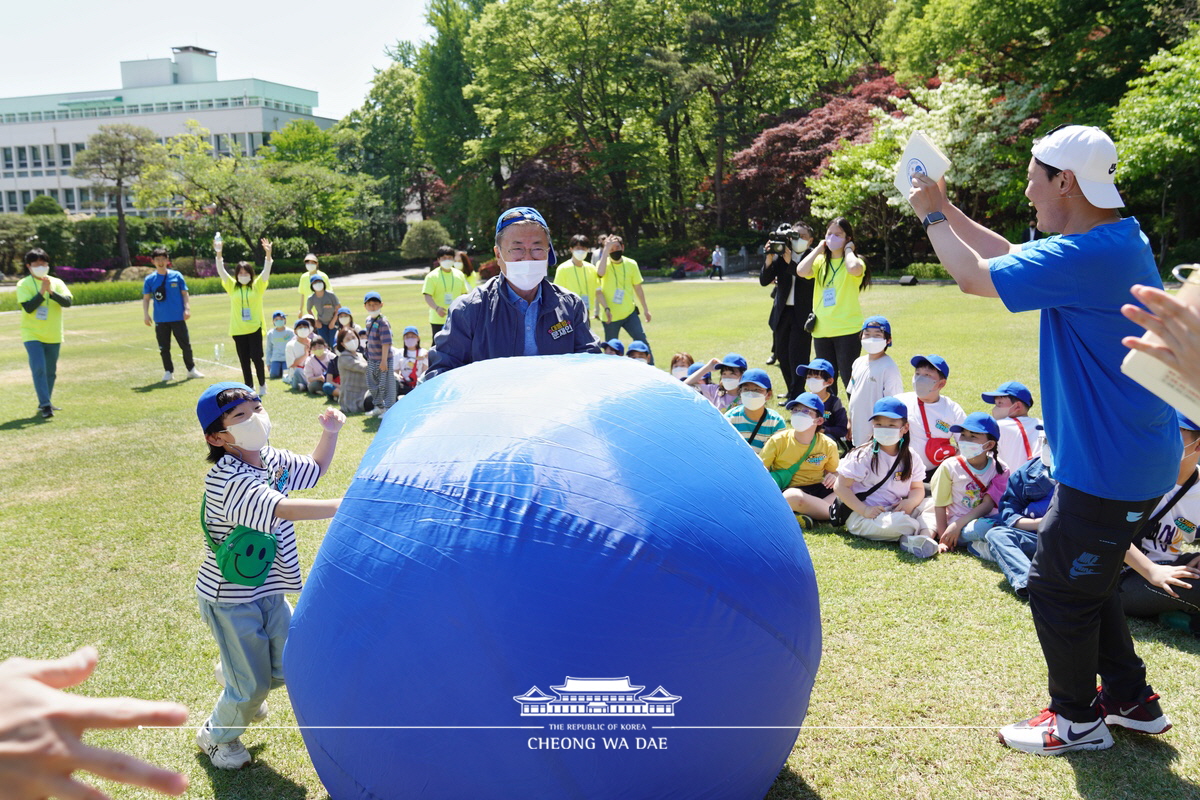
<point>40,135</point>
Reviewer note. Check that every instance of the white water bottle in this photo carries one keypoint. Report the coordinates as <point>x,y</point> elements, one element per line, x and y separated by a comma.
<point>217,243</point>
<point>219,352</point>
<point>1157,376</point>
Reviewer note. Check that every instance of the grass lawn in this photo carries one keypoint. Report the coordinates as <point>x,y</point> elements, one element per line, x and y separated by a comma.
<point>922,660</point>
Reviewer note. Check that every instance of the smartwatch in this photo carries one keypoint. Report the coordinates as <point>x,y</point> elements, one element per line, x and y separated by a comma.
<point>933,218</point>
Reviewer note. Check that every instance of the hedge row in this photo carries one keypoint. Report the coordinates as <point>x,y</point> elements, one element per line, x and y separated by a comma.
<point>86,294</point>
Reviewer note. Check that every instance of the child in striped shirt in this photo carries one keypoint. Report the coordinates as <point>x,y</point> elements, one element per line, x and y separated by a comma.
<point>749,413</point>
<point>248,486</point>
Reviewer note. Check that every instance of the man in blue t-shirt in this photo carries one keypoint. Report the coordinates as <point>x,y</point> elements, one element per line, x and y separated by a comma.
<point>1116,449</point>
<point>172,309</point>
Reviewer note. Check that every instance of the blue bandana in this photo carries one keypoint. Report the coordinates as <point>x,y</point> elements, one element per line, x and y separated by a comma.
<point>525,214</point>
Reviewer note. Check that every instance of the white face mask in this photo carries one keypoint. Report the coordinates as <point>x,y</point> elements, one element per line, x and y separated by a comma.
<point>814,385</point>
<point>310,266</point>
<point>344,319</point>
<point>302,332</point>
<point>801,421</point>
<point>372,314</point>
<point>579,255</point>
<point>970,449</point>
<point>350,344</point>
<point>887,436</point>
<point>318,287</point>
<point>244,279</point>
<point>923,385</point>
<point>753,401</point>
<point>874,346</point>
<point>525,275</point>
<point>252,434</point>
<point>39,272</point>
<point>446,263</point>
<point>730,383</point>
<point>799,245</point>
<point>679,372</point>
<point>410,342</point>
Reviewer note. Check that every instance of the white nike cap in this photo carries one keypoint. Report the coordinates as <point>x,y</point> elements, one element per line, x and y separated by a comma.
<point>1090,154</point>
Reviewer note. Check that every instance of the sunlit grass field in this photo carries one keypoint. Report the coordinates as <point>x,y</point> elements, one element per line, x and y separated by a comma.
<point>922,660</point>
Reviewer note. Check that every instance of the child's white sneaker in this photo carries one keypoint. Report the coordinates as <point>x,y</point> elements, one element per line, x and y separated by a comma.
<point>224,755</point>
<point>980,549</point>
<point>919,546</point>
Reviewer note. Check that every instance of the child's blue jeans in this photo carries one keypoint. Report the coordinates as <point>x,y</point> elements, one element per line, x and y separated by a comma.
<point>276,369</point>
<point>250,637</point>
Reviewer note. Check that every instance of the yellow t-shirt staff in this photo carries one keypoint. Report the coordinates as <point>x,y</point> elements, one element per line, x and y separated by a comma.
<point>838,275</point>
<point>581,278</point>
<point>441,286</point>
<point>42,299</point>
<point>620,279</point>
<point>246,291</point>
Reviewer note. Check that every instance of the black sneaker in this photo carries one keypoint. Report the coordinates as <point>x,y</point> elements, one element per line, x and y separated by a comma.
<point>47,412</point>
<point>1144,715</point>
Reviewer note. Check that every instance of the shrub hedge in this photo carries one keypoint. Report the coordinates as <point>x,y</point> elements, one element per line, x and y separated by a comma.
<point>86,294</point>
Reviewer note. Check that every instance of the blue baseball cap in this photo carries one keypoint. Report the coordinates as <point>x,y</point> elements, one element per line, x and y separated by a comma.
<point>344,310</point>
<point>937,362</point>
<point>279,314</point>
<point>818,365</point>
<point>525,214</point>
<point>758,377</point>
<point>615,344</point>
<point>638,346</point>
<point>978,422</point>
<point>808,400</point>
<point>1012,389</point>
<point>209,411</point>
<point>732,361</point>
<point>890,407</point>
<point>878,322</point>
<point>369,296</point>
<point>316,278</point>
<point>412,329</point>
<point>1186,423</point>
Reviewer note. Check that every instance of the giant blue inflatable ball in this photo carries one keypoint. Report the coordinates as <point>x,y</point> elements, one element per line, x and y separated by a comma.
<point>556,577</point>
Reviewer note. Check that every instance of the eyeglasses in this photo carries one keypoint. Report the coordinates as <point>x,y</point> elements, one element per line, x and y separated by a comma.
<point>521,253</point>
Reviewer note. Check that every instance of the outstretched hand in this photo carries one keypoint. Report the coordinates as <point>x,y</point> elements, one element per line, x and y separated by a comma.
<point>1176,324</point>
<point>331,420</point>
<point>927,195</point>
<point>41,726</point>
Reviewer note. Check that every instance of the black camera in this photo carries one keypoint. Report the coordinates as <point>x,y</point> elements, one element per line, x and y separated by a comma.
<point>780,239</point>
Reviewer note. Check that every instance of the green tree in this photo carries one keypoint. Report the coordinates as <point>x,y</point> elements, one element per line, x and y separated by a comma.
<point>302,141</point>
<point>1156,128</point>
<point>43,204</point>
<point>116,156</point>
<point>17,234</point>
<point>423,239</point>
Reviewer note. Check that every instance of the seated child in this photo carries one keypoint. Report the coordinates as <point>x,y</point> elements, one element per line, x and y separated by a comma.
<point>892,512</point>
<point>1163,579</point>
<point>639,351</point>
<point>680,363</point>
<point>612,347</point>
<point>296,353</point>
<point>731,369</point>
<point>316,369</point>
<point>277,340</point>
<point>353,397</point>
<point>818,379</point>
<point>810,455</point>
<point>966,487</point>
<point>873,376</point>
<point>1018,431</point>
<point>412,361</point>
<point>750,415</point>
<point>1012,542</point>
<point>929,413</point>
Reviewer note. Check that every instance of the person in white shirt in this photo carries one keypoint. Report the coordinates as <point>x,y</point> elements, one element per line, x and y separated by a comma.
<point>873,377</point>
<point>930,415</point>
<point>1019,440</point>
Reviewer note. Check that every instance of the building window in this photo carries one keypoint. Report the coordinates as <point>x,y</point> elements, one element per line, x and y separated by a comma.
<point>79,148</point>
<point>237,102</point>
<point>8,158</point>
<point>223,103</point>
<point>12,202</point>
<point>206,103</point>
<point>69,199</point>
<point>54,193</point>
<point>22,158</point>
<point>49,155</point>
<point>64,154</point>
<point>35,153</point>
<point>26,198</point>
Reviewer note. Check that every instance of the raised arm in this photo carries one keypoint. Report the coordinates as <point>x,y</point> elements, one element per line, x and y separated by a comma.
<point>265,276</point>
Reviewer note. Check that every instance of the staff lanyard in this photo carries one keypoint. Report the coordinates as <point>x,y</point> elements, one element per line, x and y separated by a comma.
<point>831,270</point>
<point>244,291</point>
<point>446,289</point>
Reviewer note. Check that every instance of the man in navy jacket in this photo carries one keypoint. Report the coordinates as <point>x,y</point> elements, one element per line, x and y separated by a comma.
<point>516,313</point>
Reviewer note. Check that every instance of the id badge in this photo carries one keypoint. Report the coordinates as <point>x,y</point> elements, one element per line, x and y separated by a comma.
<point>618,297</point>
<point>43,311</point>
<point>829,298</point>
<point>245,315</point>
<point>449,299</point>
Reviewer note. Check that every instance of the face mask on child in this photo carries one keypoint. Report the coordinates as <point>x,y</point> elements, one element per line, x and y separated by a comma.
<point>252,434</point>
<point>679,372</point>
<point>730,384</point>
<point>302,332</point>
<point>410,342</point>
<point>350,344</point>
<point>970,449</point>
<point>887,436</point>
<point>344,319</point>
<point>923,385</point>
<point>874,346</point>
<point>753,401</point>
<point>39,272</point>
<point>280,323</point>
<point>318,351</point>
<point>802,422</point>
<point>814,385</point>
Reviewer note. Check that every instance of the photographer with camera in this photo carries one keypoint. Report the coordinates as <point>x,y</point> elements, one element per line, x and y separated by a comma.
<point>793,299</point>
